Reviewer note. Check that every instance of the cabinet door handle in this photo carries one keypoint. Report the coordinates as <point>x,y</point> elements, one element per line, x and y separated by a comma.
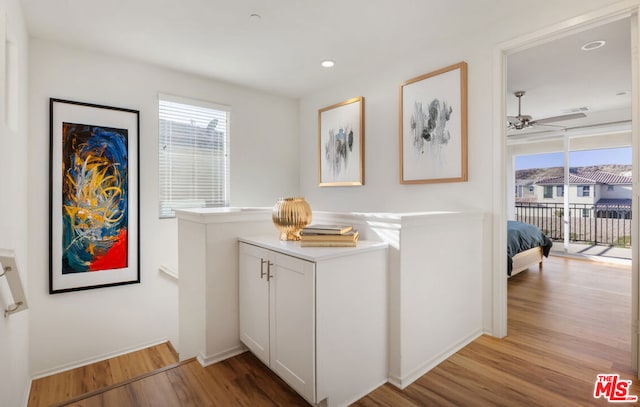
<point>269,276</point>
<point>262,273</point>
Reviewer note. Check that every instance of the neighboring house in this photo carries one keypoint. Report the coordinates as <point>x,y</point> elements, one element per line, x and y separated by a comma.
<point>608,194</point>
<point>525,191</point>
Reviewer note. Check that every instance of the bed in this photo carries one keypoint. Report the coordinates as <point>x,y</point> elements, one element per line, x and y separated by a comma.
<point>526,246</point>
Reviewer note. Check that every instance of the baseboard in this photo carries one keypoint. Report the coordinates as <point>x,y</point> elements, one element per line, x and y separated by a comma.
<point>396,381</point>
<point>402,382</point>
<point>27,393</point>
<point>96,359</point>
<point>220,356</point>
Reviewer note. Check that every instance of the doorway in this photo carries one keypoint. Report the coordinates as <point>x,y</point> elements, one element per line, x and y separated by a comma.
<point>546,135</point>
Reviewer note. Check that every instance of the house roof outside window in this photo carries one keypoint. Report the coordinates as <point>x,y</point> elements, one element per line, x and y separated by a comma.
<point>613,204</point>
<point>588,178</point>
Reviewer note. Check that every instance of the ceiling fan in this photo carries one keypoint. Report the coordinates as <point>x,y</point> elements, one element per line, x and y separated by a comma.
<point>522,121</point>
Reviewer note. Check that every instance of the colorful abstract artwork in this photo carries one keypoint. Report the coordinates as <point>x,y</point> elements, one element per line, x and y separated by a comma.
<point>94,196</point>
<point>341,148</point>
<point>433,127</point>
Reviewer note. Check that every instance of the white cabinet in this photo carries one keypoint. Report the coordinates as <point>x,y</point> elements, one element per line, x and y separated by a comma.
<point>316,316</point>
<point>254,300</point>
<point>277,320</point>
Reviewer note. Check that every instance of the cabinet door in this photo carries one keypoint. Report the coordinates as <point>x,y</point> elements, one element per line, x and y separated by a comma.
<point>292,286</point>
<point>254,300</point>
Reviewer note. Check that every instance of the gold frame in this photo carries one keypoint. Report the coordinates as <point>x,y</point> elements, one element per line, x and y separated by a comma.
<point>360,139</point>
<point>462,66</point>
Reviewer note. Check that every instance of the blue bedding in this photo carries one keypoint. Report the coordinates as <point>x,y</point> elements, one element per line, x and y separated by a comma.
<point>523,236</point>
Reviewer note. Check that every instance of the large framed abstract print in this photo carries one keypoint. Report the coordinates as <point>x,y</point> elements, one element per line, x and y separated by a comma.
<point>341,143</point>
<point>93,196</point>
<point>433,127</point>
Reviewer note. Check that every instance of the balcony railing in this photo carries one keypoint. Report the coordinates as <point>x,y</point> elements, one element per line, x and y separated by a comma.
<point>588,223</point>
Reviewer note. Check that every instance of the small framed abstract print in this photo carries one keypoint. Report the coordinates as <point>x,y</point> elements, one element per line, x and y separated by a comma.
<point>341,143</point>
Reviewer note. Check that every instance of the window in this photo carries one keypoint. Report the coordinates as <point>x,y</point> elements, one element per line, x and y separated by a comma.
<point>609,187</point>
<point>560,191</point>
<point>583,190</point>
<point>548,191</point>
<point>193,155</point>
<point>530,188</point>
<point>585,213</point>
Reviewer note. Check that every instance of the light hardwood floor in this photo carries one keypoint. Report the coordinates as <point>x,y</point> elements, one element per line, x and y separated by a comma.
<point>566,324</point>
<point>64,386</point>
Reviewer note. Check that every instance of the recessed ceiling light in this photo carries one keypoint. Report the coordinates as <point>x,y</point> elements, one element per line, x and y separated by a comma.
<point>254,18</point>
<point>590,46</point>
<point>328,63</point>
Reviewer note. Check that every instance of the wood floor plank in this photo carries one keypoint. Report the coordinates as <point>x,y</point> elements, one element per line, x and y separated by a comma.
<point>270,385</point>
<point>153,392</point>
<point>189,390</point>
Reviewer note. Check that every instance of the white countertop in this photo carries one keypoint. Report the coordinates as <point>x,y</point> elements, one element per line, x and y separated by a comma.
<point>224,215</point>
<point>314,254</point>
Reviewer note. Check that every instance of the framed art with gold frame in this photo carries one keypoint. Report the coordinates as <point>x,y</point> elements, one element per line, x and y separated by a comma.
<point>433,127</point>
<point>341,143</point>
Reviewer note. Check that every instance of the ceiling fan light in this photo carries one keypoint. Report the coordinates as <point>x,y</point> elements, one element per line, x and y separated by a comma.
<point>590,46</point>
<point>328,63</point>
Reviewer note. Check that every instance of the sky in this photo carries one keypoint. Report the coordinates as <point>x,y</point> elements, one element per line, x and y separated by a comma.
<point>576,158</point>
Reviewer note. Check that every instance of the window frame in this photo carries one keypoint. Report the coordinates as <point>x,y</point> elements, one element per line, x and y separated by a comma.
<point>581,191</point>
<point>223,152</point>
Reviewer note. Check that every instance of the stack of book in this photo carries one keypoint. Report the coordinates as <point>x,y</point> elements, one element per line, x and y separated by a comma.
<point>328,236</point>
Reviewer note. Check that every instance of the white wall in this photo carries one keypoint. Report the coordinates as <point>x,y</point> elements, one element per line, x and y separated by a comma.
<point>75,327</point>
<point>619,192</point>
<point>14,331</point>
<point>382,190</point>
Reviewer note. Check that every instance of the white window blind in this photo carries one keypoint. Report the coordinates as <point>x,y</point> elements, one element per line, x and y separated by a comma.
<point>194,155</point>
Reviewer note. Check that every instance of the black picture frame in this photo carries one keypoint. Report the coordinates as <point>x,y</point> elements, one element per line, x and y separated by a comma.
<point>94,196</point>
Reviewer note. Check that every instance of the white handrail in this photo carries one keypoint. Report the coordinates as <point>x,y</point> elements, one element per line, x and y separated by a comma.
<point>169,271</point>
<point>9,270</point>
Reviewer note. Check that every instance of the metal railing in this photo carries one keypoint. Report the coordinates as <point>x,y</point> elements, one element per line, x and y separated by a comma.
<point>588,223</point>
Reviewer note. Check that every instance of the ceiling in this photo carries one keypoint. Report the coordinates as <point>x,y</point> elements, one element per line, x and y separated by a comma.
<point>560,78</point>
<point>280,53</point>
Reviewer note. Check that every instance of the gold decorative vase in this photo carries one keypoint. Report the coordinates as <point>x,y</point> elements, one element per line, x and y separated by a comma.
<point>289,216</point>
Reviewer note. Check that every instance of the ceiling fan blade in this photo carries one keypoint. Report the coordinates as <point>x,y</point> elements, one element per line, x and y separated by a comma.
<point>559,118</point>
